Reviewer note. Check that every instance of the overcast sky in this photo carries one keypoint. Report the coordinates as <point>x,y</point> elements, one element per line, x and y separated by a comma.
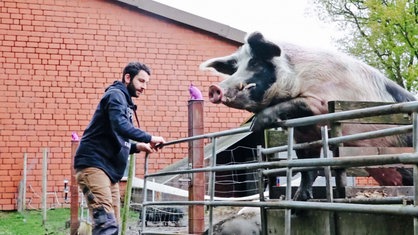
<point>284,20</point>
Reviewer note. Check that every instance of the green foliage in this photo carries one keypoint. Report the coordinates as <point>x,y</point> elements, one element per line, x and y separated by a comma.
<point>383,33</point>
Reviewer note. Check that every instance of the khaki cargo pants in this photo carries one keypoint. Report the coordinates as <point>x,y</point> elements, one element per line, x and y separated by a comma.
<point>103,200</point>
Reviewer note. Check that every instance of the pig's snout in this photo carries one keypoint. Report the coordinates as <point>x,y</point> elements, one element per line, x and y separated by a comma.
<point>215,94</point>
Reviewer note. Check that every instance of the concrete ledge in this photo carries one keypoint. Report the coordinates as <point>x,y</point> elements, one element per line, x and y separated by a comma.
<point>341,223</point>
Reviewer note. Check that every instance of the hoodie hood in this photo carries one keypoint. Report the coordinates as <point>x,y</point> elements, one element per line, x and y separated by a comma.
<point>122,87</point>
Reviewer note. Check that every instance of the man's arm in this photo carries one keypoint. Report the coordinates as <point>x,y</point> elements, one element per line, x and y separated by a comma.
<point>119,119</point>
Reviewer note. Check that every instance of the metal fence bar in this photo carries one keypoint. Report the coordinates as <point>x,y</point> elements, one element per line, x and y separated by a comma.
<point>406,200</point>
<point>128,193</point>
<point>368,160</point>
<point>415,173</point>
<point>212,178</point>
<point>328,177</point>
<point>409,210</point>
<point>295,169</point>
<point>144,194</point>
<point>407,107</point>
<point>261,188</point>
<point>381,200</point>
<point>209,135</point>
<point>288,212</point>
<point>327,169</point>
<point>342,139</point>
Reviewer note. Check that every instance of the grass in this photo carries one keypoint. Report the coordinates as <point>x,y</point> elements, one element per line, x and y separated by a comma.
<point>30,222</point>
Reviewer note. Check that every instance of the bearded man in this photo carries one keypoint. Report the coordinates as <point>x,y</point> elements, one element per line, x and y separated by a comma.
<point>102,155</point>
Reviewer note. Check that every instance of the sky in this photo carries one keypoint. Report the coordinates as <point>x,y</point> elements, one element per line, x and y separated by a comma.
<point>284,20</point>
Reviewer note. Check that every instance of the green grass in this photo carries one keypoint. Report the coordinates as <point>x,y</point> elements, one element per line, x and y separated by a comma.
<point>30,222</point>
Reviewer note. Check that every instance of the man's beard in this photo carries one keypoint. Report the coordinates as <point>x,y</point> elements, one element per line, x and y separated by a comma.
<point>131,89</point>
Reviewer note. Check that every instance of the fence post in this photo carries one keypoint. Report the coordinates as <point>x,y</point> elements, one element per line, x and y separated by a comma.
<point>21,206</point>
<point>196,158</point>
<point>44,185</point>
<point>128,193</point>
<point>74,222</point>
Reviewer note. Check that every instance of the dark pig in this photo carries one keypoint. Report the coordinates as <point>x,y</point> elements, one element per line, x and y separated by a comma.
<point>279,81</point>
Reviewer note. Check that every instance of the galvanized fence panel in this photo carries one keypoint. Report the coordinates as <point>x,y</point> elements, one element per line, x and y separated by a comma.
<point>291,165</point>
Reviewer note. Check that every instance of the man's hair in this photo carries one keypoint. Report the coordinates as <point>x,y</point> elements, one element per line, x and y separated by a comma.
<point>133,69</point>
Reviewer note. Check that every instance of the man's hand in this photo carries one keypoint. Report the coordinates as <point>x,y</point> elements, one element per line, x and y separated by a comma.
<point>157,142</point>
<point>144,147</point>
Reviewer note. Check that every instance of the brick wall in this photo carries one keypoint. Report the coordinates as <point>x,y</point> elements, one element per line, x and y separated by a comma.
<point>57,57</point>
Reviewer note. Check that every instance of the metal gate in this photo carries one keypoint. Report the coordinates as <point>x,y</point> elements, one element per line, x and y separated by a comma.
<point>291,165</point>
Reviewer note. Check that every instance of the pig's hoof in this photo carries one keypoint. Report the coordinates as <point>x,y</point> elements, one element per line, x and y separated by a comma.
<point>256,125</point>
<point>303,195</point>
<point>262,122</point>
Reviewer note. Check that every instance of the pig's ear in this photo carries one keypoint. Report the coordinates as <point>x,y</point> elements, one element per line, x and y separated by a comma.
<point>261,48</point>
<point>225,65</point>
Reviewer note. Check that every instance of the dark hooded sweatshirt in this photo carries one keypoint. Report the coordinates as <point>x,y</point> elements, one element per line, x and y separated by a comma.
<point>106,141</point>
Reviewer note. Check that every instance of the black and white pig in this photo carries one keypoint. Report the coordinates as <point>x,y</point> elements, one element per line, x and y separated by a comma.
<point>279,81</point>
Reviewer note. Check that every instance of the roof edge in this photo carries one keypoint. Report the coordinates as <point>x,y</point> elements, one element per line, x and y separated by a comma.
<point>187,18</point>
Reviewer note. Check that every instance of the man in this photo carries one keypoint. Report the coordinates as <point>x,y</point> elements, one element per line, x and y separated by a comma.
<point>102,155</point>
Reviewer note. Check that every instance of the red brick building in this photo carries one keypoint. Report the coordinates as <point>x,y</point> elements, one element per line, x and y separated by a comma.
<point>57,57</point>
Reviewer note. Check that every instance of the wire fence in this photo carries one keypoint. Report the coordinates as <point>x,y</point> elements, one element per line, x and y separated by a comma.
<point>240,184</point>
<point>33,195</point>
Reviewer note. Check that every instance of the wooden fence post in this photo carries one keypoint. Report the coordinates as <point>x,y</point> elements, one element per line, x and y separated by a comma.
<point>196,160</point>
<point>74,221</point>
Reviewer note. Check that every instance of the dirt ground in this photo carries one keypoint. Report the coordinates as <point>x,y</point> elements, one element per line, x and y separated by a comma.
<point>219,213</point>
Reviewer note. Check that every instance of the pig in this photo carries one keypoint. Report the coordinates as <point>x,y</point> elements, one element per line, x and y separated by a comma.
<point>280,81</point>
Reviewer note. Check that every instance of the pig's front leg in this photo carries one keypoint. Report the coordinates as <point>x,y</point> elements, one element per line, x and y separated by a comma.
<point>269,117</point>
<point>304,191</point>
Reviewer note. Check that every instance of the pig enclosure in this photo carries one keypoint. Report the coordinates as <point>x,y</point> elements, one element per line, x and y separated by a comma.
<point>331,204</point>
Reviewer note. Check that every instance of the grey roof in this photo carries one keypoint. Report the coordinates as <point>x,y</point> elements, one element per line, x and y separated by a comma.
<point>222,144</point>
<point>186,18</point>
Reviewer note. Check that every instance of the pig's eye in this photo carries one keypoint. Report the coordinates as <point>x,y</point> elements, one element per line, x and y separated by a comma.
<point>253,64</point>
